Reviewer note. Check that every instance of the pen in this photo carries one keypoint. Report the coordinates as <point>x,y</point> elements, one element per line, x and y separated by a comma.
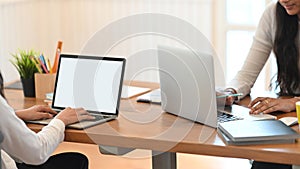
<point>43,66</point>
<point>37,65</point>
<point>226,95</point>
<point>42,58</point>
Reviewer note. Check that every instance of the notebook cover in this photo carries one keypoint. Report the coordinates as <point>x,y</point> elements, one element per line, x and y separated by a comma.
<point>231,142</point>
<point>261,130</point>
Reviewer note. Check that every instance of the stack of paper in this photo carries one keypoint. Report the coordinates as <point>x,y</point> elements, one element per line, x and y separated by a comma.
<point>131,91</point>
<point>256,132</point>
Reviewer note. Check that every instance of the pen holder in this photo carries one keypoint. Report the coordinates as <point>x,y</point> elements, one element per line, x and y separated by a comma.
<point>44,83</point>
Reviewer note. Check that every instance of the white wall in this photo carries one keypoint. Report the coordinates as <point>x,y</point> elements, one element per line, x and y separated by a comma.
<point>39,24</point>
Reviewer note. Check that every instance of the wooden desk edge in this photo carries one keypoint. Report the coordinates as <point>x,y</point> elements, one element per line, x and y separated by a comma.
<point>260,154</point>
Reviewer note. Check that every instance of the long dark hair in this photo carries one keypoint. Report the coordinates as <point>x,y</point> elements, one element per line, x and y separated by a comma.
<point>1,86</point>
<point>286,51</point>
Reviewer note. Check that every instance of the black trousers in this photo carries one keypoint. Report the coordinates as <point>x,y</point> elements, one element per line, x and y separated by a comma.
<point>265,165</point>
<point>60,161</point>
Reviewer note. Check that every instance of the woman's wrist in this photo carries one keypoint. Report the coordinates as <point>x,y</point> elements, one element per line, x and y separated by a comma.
<point>293,101</point>
<point>20,114</point>
<point>296,99</point>
<point>232,91</point>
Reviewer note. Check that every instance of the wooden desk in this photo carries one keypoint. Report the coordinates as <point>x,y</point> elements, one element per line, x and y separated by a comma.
<point>145,126</point>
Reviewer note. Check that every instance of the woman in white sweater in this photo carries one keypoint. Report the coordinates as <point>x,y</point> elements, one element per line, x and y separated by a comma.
<point>278,30</point>
<point>24,149</point>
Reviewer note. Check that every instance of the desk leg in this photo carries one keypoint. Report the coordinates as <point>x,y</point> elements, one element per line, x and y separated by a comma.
<point>111,150</point>
<point>163,160</point>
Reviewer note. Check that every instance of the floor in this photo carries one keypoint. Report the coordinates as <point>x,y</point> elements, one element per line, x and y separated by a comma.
<point>141,159</point>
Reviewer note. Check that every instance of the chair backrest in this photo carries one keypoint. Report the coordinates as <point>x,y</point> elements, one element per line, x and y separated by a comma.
<point>1,139</point>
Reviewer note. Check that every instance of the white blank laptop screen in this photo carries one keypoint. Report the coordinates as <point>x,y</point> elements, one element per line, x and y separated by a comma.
<point>93,84</point>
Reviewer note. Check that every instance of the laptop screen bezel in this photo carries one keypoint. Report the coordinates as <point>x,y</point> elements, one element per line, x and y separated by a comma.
<point>72,56</point>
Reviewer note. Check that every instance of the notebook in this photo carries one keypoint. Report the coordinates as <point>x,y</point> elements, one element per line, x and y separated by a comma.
<point>187,84</point>
<point>92,82</point>
<point>256,132</point>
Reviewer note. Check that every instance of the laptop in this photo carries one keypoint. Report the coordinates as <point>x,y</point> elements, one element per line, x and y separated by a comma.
<point>92,82</point>
<point>187,84</point>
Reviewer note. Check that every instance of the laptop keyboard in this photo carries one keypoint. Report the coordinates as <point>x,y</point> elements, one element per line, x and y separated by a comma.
<point>225,117</point>
<point>98,117</point>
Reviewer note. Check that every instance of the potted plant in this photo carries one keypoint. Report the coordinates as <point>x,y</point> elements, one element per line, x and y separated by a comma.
<point>24,62</point>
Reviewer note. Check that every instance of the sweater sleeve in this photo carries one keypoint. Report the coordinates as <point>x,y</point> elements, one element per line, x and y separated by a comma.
<point>23,144</point>
<point>258,54</point>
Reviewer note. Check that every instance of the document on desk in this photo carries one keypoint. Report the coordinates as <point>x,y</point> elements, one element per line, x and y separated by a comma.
<point>131,91</point>
<point>256,132</point>
<point>151,97</point>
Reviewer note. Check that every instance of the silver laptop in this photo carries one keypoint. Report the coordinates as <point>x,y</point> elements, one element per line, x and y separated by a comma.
<point>187,85</point>
<point>91,82</point>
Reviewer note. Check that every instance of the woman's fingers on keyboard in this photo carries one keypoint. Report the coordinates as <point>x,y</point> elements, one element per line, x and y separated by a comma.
<point>80,111</point>
<point>86,117</point>
<point>83,114</point>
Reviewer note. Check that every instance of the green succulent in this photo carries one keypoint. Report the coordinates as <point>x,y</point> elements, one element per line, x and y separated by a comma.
<point>24,61</point>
